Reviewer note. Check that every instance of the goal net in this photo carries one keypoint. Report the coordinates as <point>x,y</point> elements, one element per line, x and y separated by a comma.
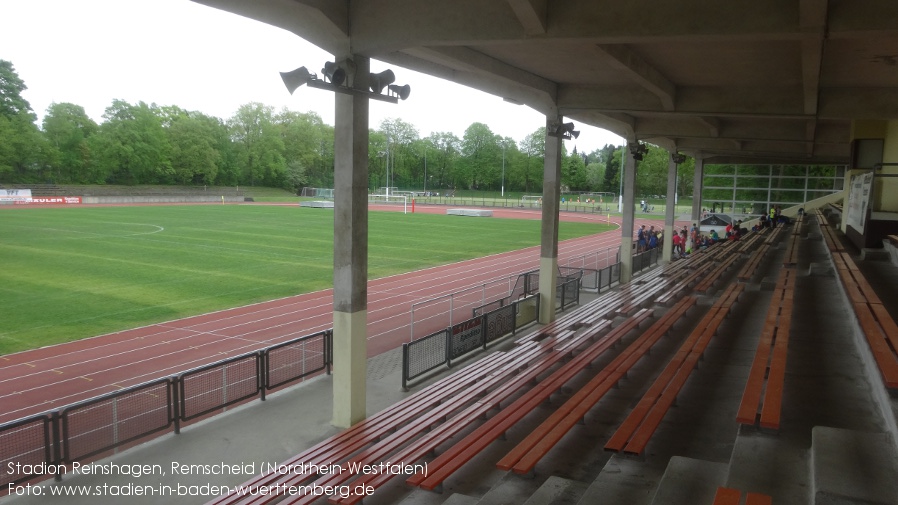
<point>531,200</point>
<point>391,200</point>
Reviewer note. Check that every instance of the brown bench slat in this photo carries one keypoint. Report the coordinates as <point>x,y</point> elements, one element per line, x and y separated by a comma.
<point>727,496</point>
<point>384,446</point>
<point>882,353</point>
<point>540,441</point>
<point>758,499</point>
<point>471,445</point>
<point>664,389</point>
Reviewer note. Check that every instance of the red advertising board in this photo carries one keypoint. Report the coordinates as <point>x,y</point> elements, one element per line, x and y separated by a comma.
<point>50,200</point>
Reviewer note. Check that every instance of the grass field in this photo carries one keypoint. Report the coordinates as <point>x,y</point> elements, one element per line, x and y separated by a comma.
<point>70,273</point>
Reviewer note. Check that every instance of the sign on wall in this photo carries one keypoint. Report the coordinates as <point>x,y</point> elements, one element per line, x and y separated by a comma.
<point>858,201</point>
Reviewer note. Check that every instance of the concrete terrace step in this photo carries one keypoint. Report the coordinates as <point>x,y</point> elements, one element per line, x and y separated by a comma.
<point>853,467</point>
<point>688,481</point>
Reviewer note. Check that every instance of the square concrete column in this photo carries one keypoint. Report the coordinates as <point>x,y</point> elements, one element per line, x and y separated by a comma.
<point>669,214</point>
<point>351,252</point>
<point>548,256</point>
<point>697,191</point>
<point>629,216</point>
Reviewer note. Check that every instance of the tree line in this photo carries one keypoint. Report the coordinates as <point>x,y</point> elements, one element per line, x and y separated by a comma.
<point>151,144</point>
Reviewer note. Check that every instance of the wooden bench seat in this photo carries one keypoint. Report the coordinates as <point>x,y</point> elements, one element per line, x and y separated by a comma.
<point>754,262</point>
<point>466,383</point>
<point>400,434</point>
<point>791,258</point>
<point>402,447</point>
<point>634,433</point>
<point>524,457</point>
<point>879,328</point>
<point>762,399</point>
<point>730,496</point>
<point>463,450</point>
<point>439,434</point>
<point>714,275</point>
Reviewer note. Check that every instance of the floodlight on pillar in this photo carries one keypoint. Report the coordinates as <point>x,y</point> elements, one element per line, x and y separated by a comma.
<point>401,91</point>
<point>377,82</point>
<point>297,78</point>
<point>333,73</point>
<point>677,158</point>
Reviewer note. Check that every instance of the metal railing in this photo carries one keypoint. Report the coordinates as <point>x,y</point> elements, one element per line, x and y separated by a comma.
<point>646,259</point>
<point>46,444</point>
<point>440,348</point>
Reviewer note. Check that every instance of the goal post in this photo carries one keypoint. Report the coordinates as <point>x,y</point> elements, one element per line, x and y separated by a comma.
<point>531,201</point>
<point>397,200</point>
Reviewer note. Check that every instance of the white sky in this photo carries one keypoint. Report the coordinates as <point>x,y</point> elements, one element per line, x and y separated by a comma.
<point>176,52</point>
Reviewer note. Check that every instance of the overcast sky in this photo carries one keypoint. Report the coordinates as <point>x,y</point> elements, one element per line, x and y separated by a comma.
<point>176,52</point>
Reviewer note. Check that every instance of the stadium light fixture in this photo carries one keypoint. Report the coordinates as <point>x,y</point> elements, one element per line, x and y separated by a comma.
<point>677,158</point>
<point>334,75</point>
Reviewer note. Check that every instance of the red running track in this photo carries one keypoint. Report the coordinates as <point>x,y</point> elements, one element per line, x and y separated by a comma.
<point>49,378</point>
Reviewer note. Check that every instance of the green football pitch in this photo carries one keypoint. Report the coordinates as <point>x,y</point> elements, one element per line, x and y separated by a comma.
<point>70,273</point>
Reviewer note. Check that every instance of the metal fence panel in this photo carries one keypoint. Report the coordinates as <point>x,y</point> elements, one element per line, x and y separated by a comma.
<point>24,442</point>
<point>296,359</point>
<point>500,322</point>
<point>424,354</point>
<point>212,387</point>
<point>465,337</point>
<point>108,421</point>
<point>527,311</point>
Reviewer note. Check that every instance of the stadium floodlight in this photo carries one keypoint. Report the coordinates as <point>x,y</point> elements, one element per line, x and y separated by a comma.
<point>334,75</point>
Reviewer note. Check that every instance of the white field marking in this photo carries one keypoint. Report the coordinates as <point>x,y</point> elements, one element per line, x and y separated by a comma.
<point>513,265</point>
<point>96,234</point>
<point>254,343</point>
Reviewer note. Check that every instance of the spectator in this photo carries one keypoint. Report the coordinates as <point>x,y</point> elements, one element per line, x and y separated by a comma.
<point>653,238</point>
<point>640,239</point>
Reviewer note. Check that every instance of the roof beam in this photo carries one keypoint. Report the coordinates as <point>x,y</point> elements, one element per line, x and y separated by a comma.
<point>532,15</point>
<point>625,60</point>
<point>712,123</point>
<point>812,18</point>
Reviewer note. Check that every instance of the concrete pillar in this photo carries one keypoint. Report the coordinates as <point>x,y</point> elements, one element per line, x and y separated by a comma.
<point>697,189</point>
<point>629,216</point>
<point>548,255</point>
<point>697,192</point>
<point>351,252</point>
<point>669,214</point>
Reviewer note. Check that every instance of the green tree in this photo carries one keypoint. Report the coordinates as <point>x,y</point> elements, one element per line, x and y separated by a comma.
<point>442,160</point>
<point>194,157</point>
<point>22,148</point>
<point>259,146</point>
<point>308,149</point>
<point>67,128</point>
<point>400,151</point>
<point>481,158</point>
<point>533,148</point>
<point>131,146</point>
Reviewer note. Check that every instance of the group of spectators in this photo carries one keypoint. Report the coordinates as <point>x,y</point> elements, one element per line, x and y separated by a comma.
<point>775,218</point>
<point>648,239</point>
<point>686,240</point>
